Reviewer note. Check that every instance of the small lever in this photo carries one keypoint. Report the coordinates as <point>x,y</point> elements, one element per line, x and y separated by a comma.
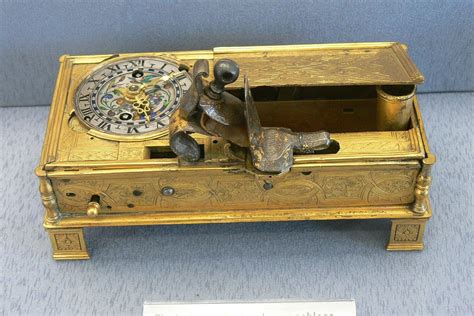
<point>184,146</point>
<point>93,207</point>
<point>209,110</point>
<point>221,106</point>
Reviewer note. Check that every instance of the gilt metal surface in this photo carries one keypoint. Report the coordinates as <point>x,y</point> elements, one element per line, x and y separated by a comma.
<point>378,172</point>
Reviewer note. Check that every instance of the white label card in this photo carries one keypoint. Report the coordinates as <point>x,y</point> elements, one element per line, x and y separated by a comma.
<point>328,308</point>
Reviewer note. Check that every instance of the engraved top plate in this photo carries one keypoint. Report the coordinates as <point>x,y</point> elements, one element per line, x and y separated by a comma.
<point>324,65</point>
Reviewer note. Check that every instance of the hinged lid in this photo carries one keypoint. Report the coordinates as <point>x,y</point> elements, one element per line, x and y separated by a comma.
<point>324,64</point>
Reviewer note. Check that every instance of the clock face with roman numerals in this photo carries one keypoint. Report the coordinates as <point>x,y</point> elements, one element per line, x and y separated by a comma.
<point>131,97</point>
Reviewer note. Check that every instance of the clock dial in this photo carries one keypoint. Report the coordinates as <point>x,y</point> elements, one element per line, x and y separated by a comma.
<point>134,96</point>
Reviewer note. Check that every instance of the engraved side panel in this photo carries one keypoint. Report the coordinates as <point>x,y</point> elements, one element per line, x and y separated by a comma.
<point>68,244</point>
<point>407,234</point>
<point>218,190</point>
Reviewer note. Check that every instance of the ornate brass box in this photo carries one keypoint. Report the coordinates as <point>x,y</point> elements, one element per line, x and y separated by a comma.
<point>378,166</point>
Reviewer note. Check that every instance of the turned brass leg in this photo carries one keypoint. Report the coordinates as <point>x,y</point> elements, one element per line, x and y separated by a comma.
<point>407,234</point>
<point>68,244</point>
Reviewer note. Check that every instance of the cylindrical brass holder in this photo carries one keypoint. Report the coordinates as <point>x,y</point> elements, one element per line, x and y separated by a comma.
<point>394,107</point>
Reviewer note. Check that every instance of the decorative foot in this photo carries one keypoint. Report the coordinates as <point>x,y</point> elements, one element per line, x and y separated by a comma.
<point>68,244</point>
<point>407,234</point>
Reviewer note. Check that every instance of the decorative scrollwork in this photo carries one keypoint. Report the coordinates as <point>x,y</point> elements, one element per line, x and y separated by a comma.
<point>217,190</point>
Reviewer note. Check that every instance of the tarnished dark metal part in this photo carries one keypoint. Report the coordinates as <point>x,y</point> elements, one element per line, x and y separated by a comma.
<point>219,105</point>
<point>209,110</point>
<point>227,109</point>
<point>272,148</point>
<point>236,134</point>
<point>184,146</point>
<point>189,105</point>
<point>226,71</point>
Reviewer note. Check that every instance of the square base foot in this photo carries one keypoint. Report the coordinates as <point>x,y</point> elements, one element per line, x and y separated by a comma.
<point>68,244</point>
<point>406,235</point>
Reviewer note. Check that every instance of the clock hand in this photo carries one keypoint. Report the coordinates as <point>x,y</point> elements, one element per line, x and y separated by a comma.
<point>131,91</point>
<point>138,94</point>
<point>142,106</point>
<point>158,80</point>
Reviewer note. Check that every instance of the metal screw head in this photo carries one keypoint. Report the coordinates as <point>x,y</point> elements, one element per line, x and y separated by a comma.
<point>167,191</point>
<point>267,186</point>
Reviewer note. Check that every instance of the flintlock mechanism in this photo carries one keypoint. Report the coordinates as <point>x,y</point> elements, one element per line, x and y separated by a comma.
<point>210,110</point>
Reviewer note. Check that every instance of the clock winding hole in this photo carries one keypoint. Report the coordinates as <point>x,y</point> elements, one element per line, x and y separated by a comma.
<point>137,73</point>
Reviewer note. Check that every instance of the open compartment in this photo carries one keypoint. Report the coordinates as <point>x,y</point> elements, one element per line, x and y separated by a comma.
<point>336,109</point>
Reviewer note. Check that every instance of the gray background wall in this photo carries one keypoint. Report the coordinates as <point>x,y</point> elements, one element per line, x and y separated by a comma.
<point>33,33</point>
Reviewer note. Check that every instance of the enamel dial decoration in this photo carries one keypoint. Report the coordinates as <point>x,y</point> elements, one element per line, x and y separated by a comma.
<point>131,97</point>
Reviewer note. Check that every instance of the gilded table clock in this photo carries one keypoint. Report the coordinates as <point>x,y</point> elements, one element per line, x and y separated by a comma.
<point>240,134</point>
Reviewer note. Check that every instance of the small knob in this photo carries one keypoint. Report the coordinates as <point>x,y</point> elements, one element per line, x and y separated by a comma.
<point>93,207</point>
<point>185,147</point>
<point>226,71</point>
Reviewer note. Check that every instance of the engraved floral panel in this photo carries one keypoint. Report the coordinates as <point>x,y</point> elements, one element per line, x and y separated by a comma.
<point>237,191</point>
<point>218,190</point>
<point>297,191</point>
<point>344,187</point>
<point>393,187</point>
<point>189,192</point>
<point>137,193</point>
